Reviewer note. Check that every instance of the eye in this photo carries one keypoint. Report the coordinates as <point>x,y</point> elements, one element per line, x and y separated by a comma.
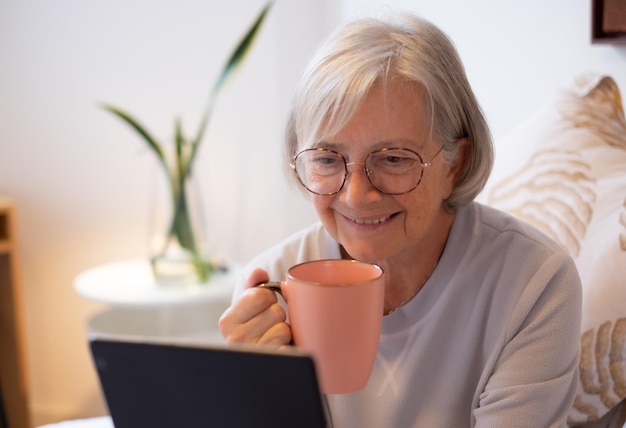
<point>321,162</point>
<point>325,159</point>
<point>394,161</point>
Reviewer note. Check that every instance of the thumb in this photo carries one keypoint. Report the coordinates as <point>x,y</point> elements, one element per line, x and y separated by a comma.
<point>257,276</point>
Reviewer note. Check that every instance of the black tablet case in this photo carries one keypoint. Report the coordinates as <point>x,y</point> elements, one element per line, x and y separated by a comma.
<point>160,385</point>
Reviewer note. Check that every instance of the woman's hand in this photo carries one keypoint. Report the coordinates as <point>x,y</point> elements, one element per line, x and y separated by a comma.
<point>256,317</point>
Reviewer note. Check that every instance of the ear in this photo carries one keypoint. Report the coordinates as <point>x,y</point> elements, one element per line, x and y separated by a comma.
<point>461,157</point>
<point>456,168</point>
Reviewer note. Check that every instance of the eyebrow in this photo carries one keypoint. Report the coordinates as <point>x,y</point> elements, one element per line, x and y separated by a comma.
<point>397,144</point>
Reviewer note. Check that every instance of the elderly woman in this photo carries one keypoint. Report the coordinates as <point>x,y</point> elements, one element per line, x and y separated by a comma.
<point>481,312</point>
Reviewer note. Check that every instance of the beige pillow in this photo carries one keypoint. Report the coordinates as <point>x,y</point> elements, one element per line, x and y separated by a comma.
<point>569,179</point>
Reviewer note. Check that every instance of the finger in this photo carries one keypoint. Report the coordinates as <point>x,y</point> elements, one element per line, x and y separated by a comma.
<point>256,328</point>
<point>250,304</point>
<point>278,335</point>
<point>253,313</point>
<point>257,276</point>
<point>269,328</point>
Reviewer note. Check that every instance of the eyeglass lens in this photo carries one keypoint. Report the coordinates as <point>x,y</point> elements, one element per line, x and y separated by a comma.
<point>391,171</point>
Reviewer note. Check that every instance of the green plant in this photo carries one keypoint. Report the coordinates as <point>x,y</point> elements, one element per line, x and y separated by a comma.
<point>185,150</point>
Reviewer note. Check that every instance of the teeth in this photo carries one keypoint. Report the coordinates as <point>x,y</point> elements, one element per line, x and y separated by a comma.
<point>372,221</point>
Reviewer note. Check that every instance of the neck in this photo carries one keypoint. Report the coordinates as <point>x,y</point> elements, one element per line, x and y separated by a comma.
<point>407,276</point>
<point>393,302</point>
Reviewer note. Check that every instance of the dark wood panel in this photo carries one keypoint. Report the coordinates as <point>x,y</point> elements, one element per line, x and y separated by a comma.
<point>608,21</point>
<point>14,411</point>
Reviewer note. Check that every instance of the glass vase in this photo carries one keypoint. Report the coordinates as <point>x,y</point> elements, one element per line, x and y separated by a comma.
<point>179,252</point>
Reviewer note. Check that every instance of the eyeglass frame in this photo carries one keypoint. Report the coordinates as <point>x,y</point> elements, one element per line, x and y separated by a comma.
<point>367,171</point>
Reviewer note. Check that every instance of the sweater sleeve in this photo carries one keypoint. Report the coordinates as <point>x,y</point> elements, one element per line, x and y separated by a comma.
<point>311,243</point>
<point>532,382</point>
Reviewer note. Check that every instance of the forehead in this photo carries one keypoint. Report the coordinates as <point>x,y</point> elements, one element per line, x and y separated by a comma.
<point>391,114</point>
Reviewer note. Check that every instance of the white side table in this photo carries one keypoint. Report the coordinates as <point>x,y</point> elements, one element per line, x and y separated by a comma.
<point>131,283</point>
<point>142,307</point>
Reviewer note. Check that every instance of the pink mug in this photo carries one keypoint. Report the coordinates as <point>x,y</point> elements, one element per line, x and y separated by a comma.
<point>335,313</point>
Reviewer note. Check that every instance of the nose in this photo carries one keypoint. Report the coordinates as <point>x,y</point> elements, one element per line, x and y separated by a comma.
<point>358,188</point>
<point>349,164</point>
<point>359,171</point>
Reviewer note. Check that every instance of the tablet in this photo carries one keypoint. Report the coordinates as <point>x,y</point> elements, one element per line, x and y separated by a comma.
<point>155,384</point>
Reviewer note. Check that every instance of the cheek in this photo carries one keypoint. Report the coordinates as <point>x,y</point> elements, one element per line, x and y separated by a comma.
<point>325,213</point>
<point>322,207</point>
<point>416,209</point>
<point>422,206</point>
<point>440,183</point>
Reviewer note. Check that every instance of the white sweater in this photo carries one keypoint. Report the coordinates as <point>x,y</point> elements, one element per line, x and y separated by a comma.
<point>491,340</point>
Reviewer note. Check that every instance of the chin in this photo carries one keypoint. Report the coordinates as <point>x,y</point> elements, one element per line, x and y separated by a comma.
<point>369,255</point>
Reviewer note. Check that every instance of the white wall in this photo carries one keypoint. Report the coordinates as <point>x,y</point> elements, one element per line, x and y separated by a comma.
<point>81,179</point>
<point>516,53</point>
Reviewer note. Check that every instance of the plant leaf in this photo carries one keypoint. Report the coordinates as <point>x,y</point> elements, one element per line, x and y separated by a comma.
<point>242,49</point>
<point>181,162</point>
<point>236,58</point>
<point>140,129</point>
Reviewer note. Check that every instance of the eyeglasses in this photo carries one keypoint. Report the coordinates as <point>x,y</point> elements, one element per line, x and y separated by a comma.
<point>391,171</point>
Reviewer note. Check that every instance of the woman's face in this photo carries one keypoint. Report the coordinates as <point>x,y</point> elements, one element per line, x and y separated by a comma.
<point>370,225</point>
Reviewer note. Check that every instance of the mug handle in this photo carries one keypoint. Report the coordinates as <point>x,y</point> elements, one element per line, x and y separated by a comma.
<point>274,286</point>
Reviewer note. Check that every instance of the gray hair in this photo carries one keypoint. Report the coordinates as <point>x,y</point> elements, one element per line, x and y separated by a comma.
<point>370,51</point>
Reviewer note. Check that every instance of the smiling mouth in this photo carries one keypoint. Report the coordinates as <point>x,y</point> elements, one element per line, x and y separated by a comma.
<point>371,221</point>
